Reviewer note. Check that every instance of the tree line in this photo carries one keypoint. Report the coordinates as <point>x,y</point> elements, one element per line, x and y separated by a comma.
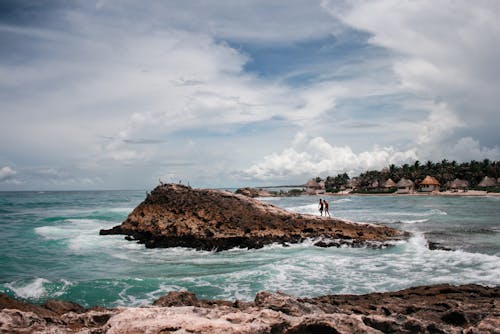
<point>444,171</point>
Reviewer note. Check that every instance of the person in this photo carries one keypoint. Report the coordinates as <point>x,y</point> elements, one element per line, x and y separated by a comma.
<point>326,208</point>
<point>320,207</point>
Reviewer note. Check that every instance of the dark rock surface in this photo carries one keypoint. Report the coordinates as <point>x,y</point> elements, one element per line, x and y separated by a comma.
<point>443,308</point>
<point>174,215</point>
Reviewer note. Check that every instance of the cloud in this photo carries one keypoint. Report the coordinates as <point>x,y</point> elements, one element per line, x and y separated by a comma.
<point>7,173</point>
<point>126,92</point>
<point>467,148</point>
<point>446,51</point>
<point>443,58</point>
<point>309,156</point>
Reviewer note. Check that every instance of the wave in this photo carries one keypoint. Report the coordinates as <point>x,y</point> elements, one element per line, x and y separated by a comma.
<point>342,200</point>
<point>37,288</point>
<point>119,210</point>
<point>412,221</point>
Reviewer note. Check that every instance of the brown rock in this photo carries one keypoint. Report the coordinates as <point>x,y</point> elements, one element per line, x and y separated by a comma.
<point>253,192</point>
<point>7,302</point>
<point>177,298</point>
<point>174,215</point>
<point>470,309</point>
<point>60,307</point>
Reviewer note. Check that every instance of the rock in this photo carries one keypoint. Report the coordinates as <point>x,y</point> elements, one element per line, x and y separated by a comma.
<point>61,307</point>
<point>253,192</point>
<point>470,309</point>
<point>437,246</point>
<point>283,303</point>
<point>174,215</point>
<point>7,302</point>
<point>177,298</point>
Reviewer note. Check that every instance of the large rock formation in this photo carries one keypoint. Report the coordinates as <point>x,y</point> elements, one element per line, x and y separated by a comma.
<point>467,309</point>
<point>175,215</point>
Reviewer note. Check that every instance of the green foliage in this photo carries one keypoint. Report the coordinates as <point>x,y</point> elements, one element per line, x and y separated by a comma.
<point>444,171</point>
<point>295,192</point>
<point>375,191</point>
<point>336,182</point>
<point>332,190</point>
<point>493,189</point>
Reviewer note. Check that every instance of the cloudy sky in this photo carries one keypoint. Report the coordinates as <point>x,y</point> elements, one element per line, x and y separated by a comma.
<point>118,94</point>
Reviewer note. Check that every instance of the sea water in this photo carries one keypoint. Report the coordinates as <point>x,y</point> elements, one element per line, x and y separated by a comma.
<point>50,247</point>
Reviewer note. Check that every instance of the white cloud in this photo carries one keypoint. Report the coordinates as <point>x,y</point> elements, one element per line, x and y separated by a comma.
<point>440,123</point>
<point>7,173</point>
<point>441,51</point>
<point>446,50</point>
<point>124,85</point>
<point>314,156</point>
<point>468,148</point>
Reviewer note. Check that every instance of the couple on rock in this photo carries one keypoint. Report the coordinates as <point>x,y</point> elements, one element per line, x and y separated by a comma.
<point>323,205</point>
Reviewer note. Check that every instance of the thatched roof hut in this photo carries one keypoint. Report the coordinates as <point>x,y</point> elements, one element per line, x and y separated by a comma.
<point>389,183</point>
<point>458,184</point>
<point>315,187</point>
<point>312,183</point>
<point>405,186</point>
<point>429,184</point>
<point>430,181</point>
<point>404,183</point>
<point>487,182</point>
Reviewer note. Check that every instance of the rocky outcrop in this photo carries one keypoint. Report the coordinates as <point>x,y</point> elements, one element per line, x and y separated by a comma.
<point>174,215</point>
<point>253,192</point>
<point>467,309</point>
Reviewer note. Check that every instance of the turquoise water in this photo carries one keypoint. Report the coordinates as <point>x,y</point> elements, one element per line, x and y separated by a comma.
<point>50,248</point>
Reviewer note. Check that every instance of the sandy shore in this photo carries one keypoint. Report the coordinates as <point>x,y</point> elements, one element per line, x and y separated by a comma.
<point>469,193</point>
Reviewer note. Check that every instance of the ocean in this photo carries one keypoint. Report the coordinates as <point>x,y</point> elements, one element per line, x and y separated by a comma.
<point>51,249</point>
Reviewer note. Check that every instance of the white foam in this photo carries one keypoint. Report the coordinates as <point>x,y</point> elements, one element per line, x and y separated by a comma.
<point>81,235</point>
<point>342,200</point>
<point>269,199</point>
<point>32,290</point>
<point>308,208</point>
<point>413,221</point>
<point>120,210</point>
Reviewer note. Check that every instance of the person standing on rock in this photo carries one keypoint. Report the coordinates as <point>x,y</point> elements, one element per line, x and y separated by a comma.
<point>326,208</point>
<point>320,207</point>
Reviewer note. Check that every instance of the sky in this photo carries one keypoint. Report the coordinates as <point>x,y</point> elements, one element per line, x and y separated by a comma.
<point>121,94</point>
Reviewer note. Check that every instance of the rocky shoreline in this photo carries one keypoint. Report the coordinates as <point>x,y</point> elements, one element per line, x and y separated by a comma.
<point>443,308</point>
<point>174,215</point>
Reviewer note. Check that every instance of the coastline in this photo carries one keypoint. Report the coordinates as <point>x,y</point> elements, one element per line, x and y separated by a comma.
<point>440,308</point>
<point>470,193</point>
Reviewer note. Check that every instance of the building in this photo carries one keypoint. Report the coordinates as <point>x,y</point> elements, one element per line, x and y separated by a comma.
<point>458,185</point>
<point>314,187</point>
<point>389,184</point>
<point>487,182</point>
<point>429,184</point>
<point>405,186</point>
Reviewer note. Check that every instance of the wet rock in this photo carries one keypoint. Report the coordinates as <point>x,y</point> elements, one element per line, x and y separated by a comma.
<point>437,246</point>
<point>174,215</point>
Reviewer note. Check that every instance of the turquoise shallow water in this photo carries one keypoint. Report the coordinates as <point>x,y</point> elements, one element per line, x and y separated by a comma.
<point>51,249</point>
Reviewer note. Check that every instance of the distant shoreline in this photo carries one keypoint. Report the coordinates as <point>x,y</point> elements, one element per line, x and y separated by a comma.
<point>470,193</point>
